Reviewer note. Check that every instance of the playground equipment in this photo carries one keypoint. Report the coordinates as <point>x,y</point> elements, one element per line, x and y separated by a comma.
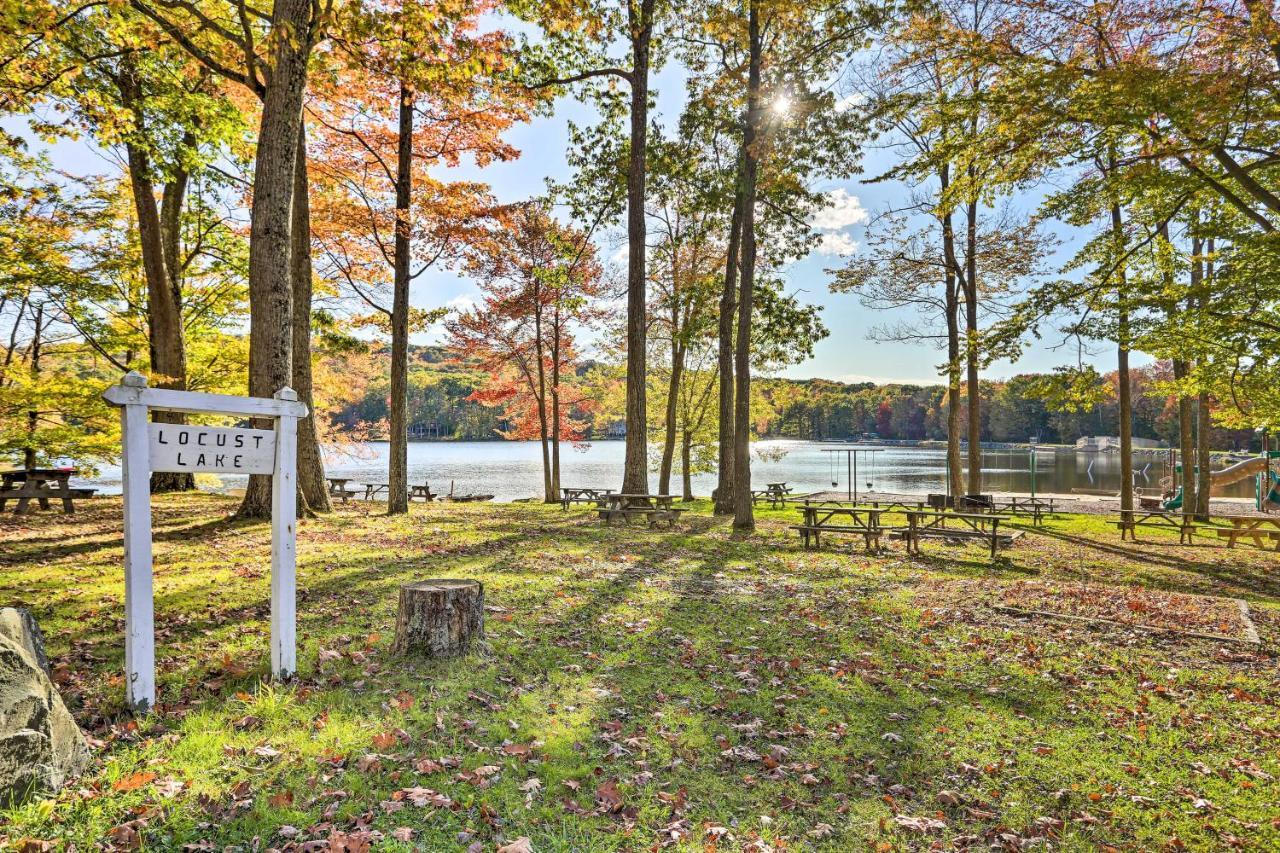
<point>1265,470</point>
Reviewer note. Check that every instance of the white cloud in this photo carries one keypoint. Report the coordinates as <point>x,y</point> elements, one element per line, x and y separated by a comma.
<point>850,101</point>
<point>841,210</point>
<point>460,303</point>
<point>836,243</point>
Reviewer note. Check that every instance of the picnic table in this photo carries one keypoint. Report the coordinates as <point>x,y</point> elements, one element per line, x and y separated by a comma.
<point>40,484</point>
<point>623,506</point>
<point>1131,519</point>
<point>338,488</point>
<point>774,493</point>
<point>923,524</point>
<point>372,490</point>
<point>1249,527</point>
<point>857,521</point>
<point>576,495</point>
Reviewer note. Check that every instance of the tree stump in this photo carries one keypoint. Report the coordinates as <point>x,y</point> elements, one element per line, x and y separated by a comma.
<point>440,618</point>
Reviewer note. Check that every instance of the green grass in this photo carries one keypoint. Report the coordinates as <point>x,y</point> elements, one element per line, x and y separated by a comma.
<point>732,691</point>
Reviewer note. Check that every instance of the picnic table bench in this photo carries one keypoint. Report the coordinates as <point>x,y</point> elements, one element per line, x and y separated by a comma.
<point>931,524</point>
<point>40,484</point>
<point>1249,527</point>
<point>572,495</point>
<point>338,488</point>
<point>1131,519</point>
<point>624,507</point>
<point>856,521</point>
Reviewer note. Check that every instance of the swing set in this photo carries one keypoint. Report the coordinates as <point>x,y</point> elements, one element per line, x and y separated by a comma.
<point>851,468</point>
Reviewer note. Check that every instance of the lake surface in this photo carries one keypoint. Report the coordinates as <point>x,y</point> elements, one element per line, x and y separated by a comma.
<point>513,469</point>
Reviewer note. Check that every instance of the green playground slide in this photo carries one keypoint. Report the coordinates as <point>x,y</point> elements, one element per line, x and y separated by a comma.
<point>1174,502</point>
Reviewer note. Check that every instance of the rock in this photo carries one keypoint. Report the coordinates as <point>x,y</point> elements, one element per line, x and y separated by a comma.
<point>41,747</point>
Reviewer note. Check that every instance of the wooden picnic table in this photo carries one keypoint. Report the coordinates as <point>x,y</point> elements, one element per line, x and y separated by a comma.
<point>372,490</point>
<point>930,523</point>
<point>774,493</point>
<point>625,506</point>
<point>858,521</point>
<point>40,484</point>
<point>581,495</point>
<point>1249,527</point>
<point>338,488</point>
<point>1131,519</point>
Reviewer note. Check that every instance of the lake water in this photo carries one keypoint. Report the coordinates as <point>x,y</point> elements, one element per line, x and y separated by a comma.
<point>513,469</point>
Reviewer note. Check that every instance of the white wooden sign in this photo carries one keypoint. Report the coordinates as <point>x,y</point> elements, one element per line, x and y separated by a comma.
<point>217,450</point>
<point>173,447</point>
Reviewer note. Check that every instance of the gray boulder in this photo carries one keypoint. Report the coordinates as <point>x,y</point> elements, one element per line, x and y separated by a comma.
<point>41,747</point>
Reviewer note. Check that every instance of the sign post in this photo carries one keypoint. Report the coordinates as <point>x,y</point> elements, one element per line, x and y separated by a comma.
<point>149,447</point>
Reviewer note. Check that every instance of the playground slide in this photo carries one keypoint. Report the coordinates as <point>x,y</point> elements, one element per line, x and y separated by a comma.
<point>1219,480</point>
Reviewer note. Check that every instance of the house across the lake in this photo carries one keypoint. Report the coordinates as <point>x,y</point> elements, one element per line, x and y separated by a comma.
<point>1111,444</point>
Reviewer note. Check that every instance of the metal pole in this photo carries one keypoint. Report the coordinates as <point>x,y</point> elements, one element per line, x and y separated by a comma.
<point>853,479</point>
<point>849,470</point>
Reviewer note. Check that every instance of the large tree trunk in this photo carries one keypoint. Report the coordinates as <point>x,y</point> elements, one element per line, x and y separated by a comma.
<point>398,466</point>
<point>971,348</point>
<point>743,515</point>
<point>728,305</point>
<point>270,223</point>
<point>635,475</point>
<point>159,241</point>
<point>313,492</point>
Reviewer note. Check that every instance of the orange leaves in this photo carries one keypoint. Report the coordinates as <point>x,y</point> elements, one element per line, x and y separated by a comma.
<point>133,782</point>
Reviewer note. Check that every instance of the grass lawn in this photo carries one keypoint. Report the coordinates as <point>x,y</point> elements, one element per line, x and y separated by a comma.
<point>684,689</point>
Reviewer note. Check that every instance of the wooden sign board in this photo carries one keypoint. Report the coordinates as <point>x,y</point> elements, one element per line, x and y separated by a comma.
<point>214,450</point>
<point>151,447</point>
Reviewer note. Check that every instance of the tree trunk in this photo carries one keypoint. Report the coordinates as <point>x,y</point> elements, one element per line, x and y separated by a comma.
<point>952,299</point>
<point>159,241</point>
<point>33,416</point>
<point>1122,374</point>
<point>743,515</point>
<point>673,400</point>
<point>971,348</point>
<point>270,223</point>
<point>439,618</point>
<point>635,476</point>
<point>398,466</point>
<point>1203,427</point>
<point>313,492</point>
<point>728,305</point>
<point>1186,441</point>
<point>686,465</point>
<point>555,401</point>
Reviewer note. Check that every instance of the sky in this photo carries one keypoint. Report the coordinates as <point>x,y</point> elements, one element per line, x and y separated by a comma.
<point>848,354</point>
